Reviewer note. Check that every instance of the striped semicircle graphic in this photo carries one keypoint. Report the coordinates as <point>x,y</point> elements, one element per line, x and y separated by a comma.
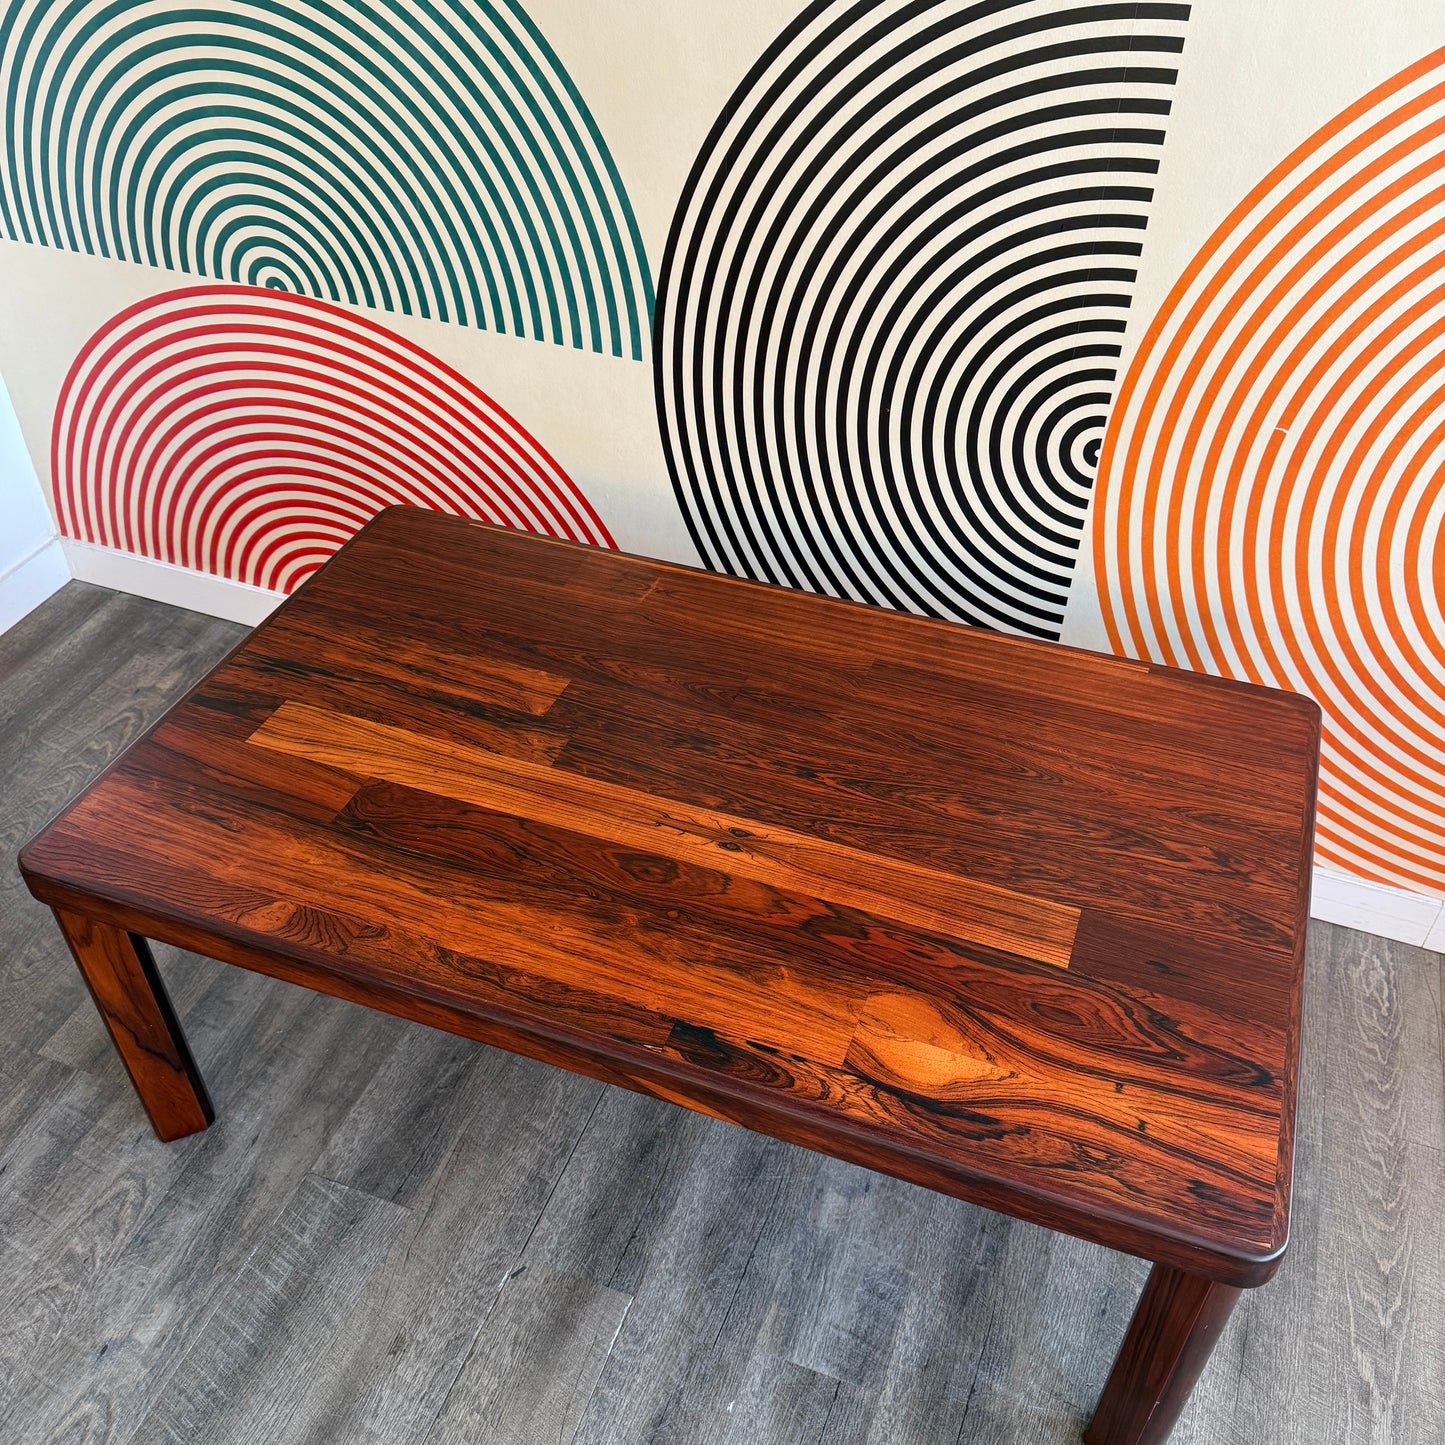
<point>249,434</point>
<point>1271,497</point>
<point>891,307</point>
<point>430,159</point>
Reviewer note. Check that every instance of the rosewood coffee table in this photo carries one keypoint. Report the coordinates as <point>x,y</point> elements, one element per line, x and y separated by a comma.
<point>1017,923</point>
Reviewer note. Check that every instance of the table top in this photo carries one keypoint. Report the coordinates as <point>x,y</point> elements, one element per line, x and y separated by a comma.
<point>1017,922</point>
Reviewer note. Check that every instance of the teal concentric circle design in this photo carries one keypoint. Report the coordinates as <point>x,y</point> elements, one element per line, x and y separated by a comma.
<point>427,157</point>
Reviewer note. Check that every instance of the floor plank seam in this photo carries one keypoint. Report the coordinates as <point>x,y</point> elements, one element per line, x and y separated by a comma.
<point>596,1383</point>
<point>763,1216</point>
<point>466,1357</point>
<point>832,1406</point>
<point>561,1173</point>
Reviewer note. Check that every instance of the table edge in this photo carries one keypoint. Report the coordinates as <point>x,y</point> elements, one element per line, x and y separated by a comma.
<point>1245,1268</point>
<point>635,1068</point>
<point>401,512</point>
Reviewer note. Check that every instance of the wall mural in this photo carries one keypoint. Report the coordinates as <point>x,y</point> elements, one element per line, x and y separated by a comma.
<point>895,354</point>
<point>249,434</point>
<point>1273,496</point>
<point>890,311</point>
<point>433,160</point>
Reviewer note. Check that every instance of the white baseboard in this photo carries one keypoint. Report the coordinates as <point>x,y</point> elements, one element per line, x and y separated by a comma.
<point>1435,939</point>
<point>30,581</point>
<point>163,582</point>
<point>1374,908</point>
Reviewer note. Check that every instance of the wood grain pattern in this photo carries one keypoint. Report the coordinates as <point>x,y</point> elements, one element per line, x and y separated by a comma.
<point>132,1000</point>
<point>1179,1318</point>
<point>781,1402</point>
<point>252,1373</point>
<point>943,1322</point>
<point>522,1398</point>
<point>826,889</point>
<point>891,888</point>
<point>1383,1073</point>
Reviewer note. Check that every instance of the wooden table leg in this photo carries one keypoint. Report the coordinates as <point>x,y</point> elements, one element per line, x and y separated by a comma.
<point>1179,1318</point>
<point>132,1000</point>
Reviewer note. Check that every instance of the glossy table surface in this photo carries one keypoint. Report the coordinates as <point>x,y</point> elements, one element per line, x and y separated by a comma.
<point>1016,922</point>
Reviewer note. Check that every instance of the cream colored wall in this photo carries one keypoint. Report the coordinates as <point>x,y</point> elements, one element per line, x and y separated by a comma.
<point>1256,79</point>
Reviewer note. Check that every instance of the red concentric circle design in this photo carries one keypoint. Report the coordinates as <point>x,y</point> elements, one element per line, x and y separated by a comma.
<point>249,433</point>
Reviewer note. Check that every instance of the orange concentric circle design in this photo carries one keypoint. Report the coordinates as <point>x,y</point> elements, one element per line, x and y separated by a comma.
<point>1272,487</point>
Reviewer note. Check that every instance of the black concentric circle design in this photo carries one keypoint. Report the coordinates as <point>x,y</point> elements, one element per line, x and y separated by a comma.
<point>891,308</point>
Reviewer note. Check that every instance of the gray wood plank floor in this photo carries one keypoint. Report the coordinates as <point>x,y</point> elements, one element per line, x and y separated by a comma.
<point>391,1235</point>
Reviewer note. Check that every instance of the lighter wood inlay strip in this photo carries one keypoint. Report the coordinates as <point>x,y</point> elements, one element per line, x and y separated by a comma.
<point>907,893</point>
